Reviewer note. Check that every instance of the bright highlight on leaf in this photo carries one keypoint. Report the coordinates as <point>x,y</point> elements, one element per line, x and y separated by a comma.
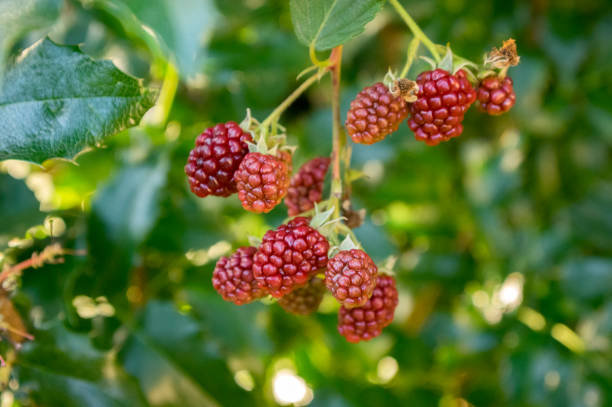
<point>56,101</point>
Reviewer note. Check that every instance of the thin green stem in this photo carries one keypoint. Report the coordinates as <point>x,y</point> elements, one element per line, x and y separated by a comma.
<point>411,55</point>
<point>338,135</point>
<point>166,96</point>
<point>291,98</point>
<point>416,30</point>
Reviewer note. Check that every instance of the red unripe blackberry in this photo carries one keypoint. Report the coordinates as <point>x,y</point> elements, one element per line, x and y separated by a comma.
<point>233,277</point>
<point>367,322</point>
<point>288,256</point>
<point>374,114</point>
<point>495,95</point>
<point>351,277</point>
<point>306,187</point>
<point>304,300</point>
<point>218,152</point>
<point>262,181</point>
<point>442,101</point>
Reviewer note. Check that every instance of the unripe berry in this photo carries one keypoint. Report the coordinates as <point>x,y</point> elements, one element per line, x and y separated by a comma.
<point>442,101</point>
<point>374,114</point>
<point>262,181</point>
<point>218,152</point>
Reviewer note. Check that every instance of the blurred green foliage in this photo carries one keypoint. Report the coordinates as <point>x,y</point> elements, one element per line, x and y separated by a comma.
<point>504,235</point>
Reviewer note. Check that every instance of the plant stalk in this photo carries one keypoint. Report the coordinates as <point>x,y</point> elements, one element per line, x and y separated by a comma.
<point>416,30</point>
<point>338,135</point>
<point>291,98</point>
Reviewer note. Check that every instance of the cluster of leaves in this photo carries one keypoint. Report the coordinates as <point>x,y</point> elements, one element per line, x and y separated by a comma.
<point>136,321</point>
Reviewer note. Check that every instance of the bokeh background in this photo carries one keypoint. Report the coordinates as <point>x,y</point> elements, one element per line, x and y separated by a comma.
<point>503,236</point>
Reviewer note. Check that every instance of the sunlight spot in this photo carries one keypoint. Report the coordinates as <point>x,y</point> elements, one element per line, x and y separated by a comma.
<point>244,379</point>
<point>480,299</point>
<point>387,369</point>
<point>552,379</point>
<point>533,319</point>
<point>289,388</point>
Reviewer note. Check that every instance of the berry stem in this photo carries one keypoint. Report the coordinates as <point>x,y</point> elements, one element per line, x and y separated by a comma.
<point>38,259</point>
<point>338,135</point>
<point>411,54</point>
<point>272,117</point>
<point>416,30</point>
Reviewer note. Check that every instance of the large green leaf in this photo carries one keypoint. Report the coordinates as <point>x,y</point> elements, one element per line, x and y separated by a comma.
<point>123,213</point>
<point>329,23</point>
<point>18,17</point>
<point>177,364</point>
<point>61,368</point>
<point>182,26</point>
<point>56,101</point>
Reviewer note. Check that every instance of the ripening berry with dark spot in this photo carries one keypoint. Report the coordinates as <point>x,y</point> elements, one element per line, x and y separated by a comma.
<point>351,277</point>
<point>442,100</point>
<point>233,277</point>
<point>262,181</point>
<point>304,300</point>
<point>374,114</point>
<point>495,95</point>
<point>218,152</point>
<point>306,187</point>
<point>289,256</point>
<point>367,322</point>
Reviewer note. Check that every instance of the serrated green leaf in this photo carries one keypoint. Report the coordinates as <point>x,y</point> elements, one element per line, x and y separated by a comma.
<point>56,101</point>
<point>328,23</point>
<point>18,17</point>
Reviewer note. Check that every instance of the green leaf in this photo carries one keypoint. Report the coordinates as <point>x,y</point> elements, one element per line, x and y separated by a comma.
<point>183,27</point>
<point>114,233</point>
<point>56,101</point>
<point>177,364</point>
<point>325,24</point>
<point>18,206</point>
<point>61,368</point>
<point>18,17</point>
